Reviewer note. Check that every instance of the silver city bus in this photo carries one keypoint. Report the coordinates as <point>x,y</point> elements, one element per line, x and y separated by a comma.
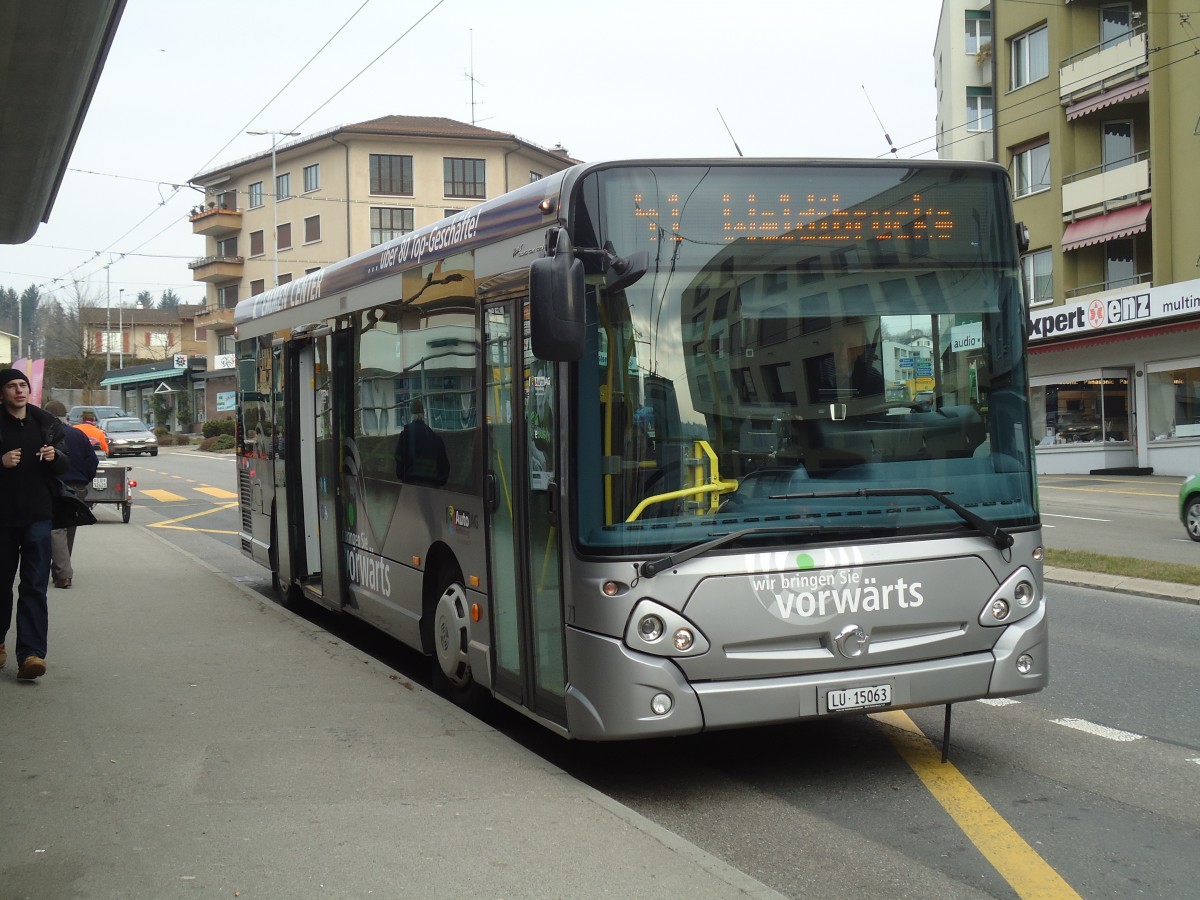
<point>646,448</point>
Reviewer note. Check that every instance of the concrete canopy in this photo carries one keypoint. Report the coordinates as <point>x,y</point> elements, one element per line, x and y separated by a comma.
<point>51,56</point>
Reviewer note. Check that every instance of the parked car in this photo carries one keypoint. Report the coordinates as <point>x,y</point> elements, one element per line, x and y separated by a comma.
<point>1189,506</point>
<point>128,436</point>
<point>75,413</point>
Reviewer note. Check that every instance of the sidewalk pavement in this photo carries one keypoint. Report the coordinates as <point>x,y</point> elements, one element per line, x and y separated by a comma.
<point>191,738</point>
<point>1144,587</point>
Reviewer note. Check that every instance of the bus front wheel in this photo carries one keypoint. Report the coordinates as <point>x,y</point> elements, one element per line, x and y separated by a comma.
<point>451,634</point>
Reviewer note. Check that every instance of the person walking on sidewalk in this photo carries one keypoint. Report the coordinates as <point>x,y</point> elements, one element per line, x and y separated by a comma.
<point>81,471</point>
<point>33,457</point>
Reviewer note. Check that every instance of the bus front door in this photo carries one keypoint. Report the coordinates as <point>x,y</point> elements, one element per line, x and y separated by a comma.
<point>523,538</point>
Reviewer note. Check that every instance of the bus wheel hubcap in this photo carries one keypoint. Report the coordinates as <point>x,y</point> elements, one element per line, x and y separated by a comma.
<point>450,635</point>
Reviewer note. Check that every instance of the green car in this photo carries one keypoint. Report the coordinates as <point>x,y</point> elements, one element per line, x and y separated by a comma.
<point>1189,506</point>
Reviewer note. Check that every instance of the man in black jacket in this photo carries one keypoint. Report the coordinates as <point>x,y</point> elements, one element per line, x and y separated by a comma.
<point>77,478</point>
<point>33,457</point>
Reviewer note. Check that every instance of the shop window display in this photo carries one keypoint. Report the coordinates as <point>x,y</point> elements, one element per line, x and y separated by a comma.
<point>1091,410</point>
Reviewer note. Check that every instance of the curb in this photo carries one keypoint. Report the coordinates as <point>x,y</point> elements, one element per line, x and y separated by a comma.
<point>1142,587</point>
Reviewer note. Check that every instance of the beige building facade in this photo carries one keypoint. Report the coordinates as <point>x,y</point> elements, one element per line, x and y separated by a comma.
<point>1095,117</point>
<point>311,200</point>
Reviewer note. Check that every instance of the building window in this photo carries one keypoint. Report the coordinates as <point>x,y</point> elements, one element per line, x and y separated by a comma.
<point>1030,57</point>
<point>979,109</point>
<point>284,278</point>
<point>312,177</point>
<point>1037,270</point>
<point>1031,170</point>
<point>227,200</point>
<point>1117,147</point>
<point>312,229</point>
<point>257,286</point>
<point>447,213</point>
<point>283,186</point>
<point>535,176</point>
<point>255,195</point>
<point>388,223</point>
<point>226,344</point>
<point>313,269</point>
<point>391,174</point>
<point>979,30</point>
<point>1091,410</point>
<point>465,177</point>
<point>283,236</point>
<point>1120,264</point>
<point>227,247</point>
<point>256,243</point>
<point>158,340</point>
<point>1116,24</point>
<point>1174,399</point>
<point>227,296</point>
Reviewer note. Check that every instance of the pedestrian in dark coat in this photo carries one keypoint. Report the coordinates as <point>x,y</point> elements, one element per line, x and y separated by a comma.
<point>77,478</point>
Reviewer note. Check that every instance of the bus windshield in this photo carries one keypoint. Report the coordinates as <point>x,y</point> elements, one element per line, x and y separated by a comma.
<point>805,337</point>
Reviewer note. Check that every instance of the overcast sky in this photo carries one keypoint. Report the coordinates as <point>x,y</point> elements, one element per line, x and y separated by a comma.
<point>612,79</point>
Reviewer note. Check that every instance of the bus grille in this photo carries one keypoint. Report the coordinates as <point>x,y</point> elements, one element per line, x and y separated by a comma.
<point>244,499</point>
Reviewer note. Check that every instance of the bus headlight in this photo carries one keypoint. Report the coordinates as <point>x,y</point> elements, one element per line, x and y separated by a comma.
<point>651,621</point>
<point>661,704</point>
<point>650,628</point>
<point>1015,599</point>
<point>1024,663</point>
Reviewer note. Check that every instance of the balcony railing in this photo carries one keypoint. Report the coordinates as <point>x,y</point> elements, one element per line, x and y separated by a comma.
<point>214,269</point>
<point>1116,285</point>
<point>1103,66</point>
<point>1105,187</point>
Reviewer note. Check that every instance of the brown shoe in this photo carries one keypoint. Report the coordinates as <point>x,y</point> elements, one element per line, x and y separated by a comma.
<point>63,583</point>
<point>3,656</point>
<point>31,667</point>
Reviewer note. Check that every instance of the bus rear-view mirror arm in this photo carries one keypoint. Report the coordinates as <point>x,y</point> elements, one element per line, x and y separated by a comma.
<point>556,298</point>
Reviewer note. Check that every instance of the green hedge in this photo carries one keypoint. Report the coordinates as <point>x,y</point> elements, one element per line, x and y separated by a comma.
<point>215,427</point>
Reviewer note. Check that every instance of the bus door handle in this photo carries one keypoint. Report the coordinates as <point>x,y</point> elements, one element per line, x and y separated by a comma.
<point>489,491</point>
<point>552,504</point>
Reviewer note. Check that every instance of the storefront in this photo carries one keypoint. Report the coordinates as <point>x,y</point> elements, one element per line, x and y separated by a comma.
<point>171,390</point>
<point>1116,382</point>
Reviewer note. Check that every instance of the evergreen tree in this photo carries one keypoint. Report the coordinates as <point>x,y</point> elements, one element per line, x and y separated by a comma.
<point>170,300</point>
<point>145,300</point>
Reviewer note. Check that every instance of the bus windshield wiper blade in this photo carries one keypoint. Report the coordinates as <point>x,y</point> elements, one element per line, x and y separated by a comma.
<point>998,536</point>
<point>652,567</point>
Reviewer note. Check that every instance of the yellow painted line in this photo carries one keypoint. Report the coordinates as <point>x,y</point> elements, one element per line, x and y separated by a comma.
<point>165,496</point>
<point>1027,873</point>
<point>1093,490</point>
<point>173,523</point>
<point>219,493</point>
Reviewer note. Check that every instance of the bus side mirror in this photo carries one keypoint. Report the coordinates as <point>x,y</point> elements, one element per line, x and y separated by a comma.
<point>556,307</point>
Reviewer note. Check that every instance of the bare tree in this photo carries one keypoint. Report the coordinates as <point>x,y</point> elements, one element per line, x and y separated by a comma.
<point>72,361</point>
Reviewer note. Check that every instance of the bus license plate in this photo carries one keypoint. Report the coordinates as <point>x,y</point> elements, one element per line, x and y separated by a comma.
<point>867,695</point>
<point>100,484</point>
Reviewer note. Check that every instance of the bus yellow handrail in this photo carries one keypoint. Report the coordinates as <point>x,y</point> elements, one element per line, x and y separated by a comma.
<point>715,486</point>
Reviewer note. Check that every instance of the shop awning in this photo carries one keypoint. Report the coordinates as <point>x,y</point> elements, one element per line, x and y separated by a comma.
<point>1118,224</point>
<point>1108,98</point>
<point>133,378</point>
<point>1139,334</point>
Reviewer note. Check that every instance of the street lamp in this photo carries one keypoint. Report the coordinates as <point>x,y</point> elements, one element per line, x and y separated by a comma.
<point>275,135</point>
<point>108,330</point>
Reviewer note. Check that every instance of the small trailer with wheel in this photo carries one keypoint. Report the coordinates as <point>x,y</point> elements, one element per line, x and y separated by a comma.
<point>112,485</point>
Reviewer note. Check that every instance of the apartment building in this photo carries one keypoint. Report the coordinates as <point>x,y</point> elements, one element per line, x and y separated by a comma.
<point>309,200</point>
<point>962,74</point>
<point>1097,117</point>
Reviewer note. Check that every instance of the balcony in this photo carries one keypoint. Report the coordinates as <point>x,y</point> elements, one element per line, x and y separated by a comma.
<point>1100,190</point>
<point>1102,67</point>
<point>218,317</point>
<point>217,269</point>
<point>216,221</point>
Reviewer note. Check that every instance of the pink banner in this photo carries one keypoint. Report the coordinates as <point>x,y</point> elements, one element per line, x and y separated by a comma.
<point>34,370</point>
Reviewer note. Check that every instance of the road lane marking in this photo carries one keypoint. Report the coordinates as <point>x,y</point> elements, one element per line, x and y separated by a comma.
<point>1018,863</point>
<point>156,494</point>
<point>219,493</point>
<point>1086,490</point>
<point>1051,515</point>
<point>173,523</point>
<point>1112,734</point>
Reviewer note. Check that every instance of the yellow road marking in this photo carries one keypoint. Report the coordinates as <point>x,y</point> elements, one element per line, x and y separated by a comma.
<point>1093,490</point>
<point>219,493</point>
<point>172,523</point>
<point>165,496</point>
<point>1018,863</point>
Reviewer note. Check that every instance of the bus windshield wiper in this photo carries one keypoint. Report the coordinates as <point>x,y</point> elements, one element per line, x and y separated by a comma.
<point>998,536</point>
<point>652,567</point>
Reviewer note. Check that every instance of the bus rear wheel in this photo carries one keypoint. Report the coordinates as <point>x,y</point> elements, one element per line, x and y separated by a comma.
<point>452,675</point>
